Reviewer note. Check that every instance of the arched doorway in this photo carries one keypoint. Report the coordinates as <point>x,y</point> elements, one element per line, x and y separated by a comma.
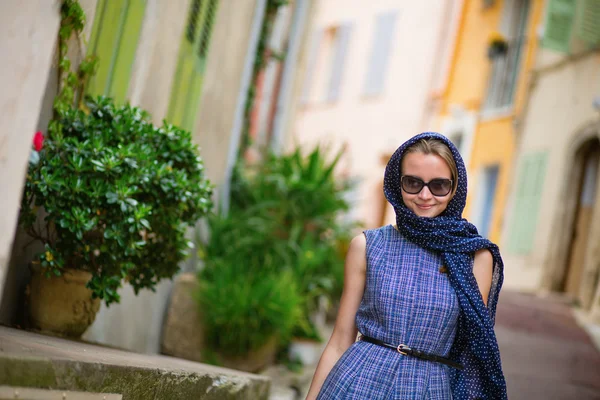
<point>587,162</point>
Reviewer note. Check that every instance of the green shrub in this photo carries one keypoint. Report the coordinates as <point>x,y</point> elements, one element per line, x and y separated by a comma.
<point>246,296</point>
<point>118,194</point>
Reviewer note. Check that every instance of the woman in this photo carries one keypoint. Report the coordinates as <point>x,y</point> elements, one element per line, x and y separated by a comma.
<point>422,294</point>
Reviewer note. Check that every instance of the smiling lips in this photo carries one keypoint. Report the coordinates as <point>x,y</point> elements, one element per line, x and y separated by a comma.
<point>424,206</point>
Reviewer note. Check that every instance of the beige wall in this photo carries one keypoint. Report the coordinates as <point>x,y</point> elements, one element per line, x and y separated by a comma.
<point>377,125</point>
<point>157,55</point>
<point>27,39</point>
<point>559,110</point>
<point>136,323</point>
<point>223,83</point>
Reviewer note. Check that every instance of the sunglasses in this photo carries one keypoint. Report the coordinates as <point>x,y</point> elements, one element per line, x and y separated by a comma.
<point>438,187</point>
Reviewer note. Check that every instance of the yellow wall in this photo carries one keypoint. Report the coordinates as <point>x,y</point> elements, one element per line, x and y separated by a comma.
<point>494,140</point>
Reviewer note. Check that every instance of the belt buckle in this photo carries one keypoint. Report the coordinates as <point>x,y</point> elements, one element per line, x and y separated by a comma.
<point>401,348</point>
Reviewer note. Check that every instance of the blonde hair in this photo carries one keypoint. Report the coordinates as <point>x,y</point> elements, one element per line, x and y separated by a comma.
<point>440,149</point>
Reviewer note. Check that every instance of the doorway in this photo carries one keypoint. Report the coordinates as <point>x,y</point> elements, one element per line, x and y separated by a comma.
<point>588,161</point>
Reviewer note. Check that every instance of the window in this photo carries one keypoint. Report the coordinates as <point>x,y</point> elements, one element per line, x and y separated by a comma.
<point>528,195</point>
<point>569,19</point>
<point>457,140</point>
<point>484,202</point>
<point>114,39</point>
<point>381,47</point>
<point>187,85</point>
<point>505,67</point>
<point>341,40</point>
<point>313,55</point>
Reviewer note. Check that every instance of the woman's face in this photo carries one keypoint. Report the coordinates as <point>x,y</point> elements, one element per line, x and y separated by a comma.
<point>425,167</point>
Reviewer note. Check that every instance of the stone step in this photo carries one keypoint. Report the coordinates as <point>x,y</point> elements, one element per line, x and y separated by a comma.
<point>32,360</point>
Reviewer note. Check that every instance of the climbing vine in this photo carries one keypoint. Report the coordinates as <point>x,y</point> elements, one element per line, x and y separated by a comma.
<point>263,55</point>
<point>71,82</point>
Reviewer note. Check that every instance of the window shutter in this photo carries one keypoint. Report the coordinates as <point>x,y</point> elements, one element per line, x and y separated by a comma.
<point>339,60</point>
<point>311,64</point>
<point>207,29</point>
<point>114,40</point>
<point>380,53</point>
<point>559,25</point>
<point>588,28</point>
<point>126,51</point>
<point>190,30</point>
<point>528,196</point>
<point>187,84</point>
<point>105,40</point>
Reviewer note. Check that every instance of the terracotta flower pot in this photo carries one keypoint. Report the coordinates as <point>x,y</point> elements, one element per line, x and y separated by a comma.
<point>61,304</point>
<point>254,361</point>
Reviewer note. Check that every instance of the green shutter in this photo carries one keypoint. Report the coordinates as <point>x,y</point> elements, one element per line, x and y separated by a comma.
<point>187,84</point>
<point>114,40</point>
<point>588,26</point>
<point>125,55</point>
<point>529,191</point>
<point>559,25</point>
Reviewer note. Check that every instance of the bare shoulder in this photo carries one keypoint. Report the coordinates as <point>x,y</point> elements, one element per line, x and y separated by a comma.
<point>356,258</point>
<point>483,259</point>
<point>358,243</point>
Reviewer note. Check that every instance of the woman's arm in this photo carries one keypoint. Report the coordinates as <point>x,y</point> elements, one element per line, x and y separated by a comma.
<point>344,331</point>
<point>483,267</point>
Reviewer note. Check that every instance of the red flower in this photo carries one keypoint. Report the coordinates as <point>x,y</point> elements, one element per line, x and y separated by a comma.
<point>38,141</point>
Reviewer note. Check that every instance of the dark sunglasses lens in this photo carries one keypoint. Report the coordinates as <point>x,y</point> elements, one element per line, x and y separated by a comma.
<point>411,185</point>
<point>440,187</point>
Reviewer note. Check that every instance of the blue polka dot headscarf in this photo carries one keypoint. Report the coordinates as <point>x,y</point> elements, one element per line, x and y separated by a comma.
<point>456,239</point>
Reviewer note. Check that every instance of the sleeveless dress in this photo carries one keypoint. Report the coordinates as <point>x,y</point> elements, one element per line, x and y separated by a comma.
<point>407,300</point>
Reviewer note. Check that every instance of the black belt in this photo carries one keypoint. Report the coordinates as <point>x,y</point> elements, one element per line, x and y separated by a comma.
<point>407,351</point>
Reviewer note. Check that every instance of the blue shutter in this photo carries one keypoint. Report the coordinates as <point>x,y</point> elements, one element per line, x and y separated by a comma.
<point>381,47</point>
<point>342,40</point>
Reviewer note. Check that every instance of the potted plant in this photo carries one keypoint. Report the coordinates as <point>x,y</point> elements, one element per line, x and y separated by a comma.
<point>249,305</point>
<point>117,195</point>
<point>305,200</point>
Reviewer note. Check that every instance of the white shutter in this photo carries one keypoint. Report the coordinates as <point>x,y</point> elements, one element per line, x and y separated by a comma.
<point>381,48</point>
<point>316,39</point>
<point>342,40</point>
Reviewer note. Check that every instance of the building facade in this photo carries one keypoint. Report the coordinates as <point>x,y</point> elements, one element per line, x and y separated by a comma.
<point>188,62</point>
<point>367,83</point>
<point>485,97</point>
<point>554,207</point>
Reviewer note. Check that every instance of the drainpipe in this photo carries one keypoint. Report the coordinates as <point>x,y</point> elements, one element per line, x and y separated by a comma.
<point>290,67</point>
<point>238,122</point>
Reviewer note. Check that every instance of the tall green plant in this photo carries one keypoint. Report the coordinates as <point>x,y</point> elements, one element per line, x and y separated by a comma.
<point>247,294</point>
<point>303,200</point>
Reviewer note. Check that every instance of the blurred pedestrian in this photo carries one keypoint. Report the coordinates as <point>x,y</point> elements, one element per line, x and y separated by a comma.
<point>422,293</point>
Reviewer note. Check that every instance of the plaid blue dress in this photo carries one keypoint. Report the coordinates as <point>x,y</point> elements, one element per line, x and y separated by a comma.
<point>406,300</point>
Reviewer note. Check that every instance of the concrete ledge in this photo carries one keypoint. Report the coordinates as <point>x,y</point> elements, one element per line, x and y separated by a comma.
<point>31,360</point>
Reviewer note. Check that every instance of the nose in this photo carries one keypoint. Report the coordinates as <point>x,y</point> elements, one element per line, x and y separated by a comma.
<point>425,194</point>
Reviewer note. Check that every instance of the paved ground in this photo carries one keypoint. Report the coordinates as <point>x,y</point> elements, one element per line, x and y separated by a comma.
<point>546,355</point>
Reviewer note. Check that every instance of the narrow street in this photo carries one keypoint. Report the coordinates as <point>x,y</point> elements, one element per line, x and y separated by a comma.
<point>546,354</point>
